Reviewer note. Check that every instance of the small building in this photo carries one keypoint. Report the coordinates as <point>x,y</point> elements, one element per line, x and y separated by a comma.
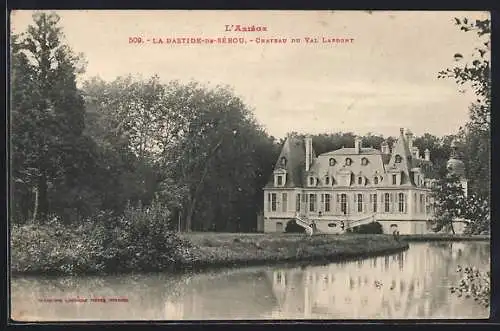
<point>338,189</point>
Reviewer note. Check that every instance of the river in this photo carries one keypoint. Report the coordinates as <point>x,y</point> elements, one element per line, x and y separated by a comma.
<point>409,285</point>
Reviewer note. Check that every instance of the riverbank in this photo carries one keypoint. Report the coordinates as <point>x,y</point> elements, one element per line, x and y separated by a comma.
<point>45,250</point>
<point>444,237</point>
<point>229,249</point>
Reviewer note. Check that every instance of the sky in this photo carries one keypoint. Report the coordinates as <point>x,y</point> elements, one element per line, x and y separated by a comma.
<point>385,79</point>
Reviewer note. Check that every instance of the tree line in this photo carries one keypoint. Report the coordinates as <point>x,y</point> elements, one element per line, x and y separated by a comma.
<point>199,151</point>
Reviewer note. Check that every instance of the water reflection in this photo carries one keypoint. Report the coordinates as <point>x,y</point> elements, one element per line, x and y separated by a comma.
<point>411,284</point>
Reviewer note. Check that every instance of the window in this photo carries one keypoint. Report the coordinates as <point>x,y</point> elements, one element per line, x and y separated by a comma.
<point>273,201</point>
<point>327,180</point>
<point>343,203</point>
<point>284,203</point>
<point>373,198</point>
<point>397,159</point>
<point>312,202</point>
<point>332,225</point>
<point>364,161</point>
<point>394,179</point>
<point>331,162</point>
<point>422,203</point>
<point>387,206</point>
<point>280,180</point>
<point>297,202</point>
<point>415,206</point>
<point>360,203</point>
<point>283,161</point>
<point>327,202</point>
<point>401,202</point>
<point>311,181</point>
<point>348,161</point>
<point>375,180</point>
<point>360,180</point>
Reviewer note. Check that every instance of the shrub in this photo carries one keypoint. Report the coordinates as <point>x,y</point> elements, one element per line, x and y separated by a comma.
<point>293,227</point>
<point>474,284</point>
<point>370,228</point>
<point>140,239</point>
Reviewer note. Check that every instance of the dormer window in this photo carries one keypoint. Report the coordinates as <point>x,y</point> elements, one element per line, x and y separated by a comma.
<point>327,180</point>
<point>348,161</point>
<point>332,162</point>
<point>360,180</point>
<point>312,181</point>
<point>364,161</point>
<point>279,180</point>
<point>283,161</point>
<point>375,180</point>
<point>397,159</point>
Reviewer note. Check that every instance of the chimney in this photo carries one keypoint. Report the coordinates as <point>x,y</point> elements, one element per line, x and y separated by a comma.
<point>384,148</point>
<point>357,144</point>
<point>308,143</point>
<point>409,138</point>
<point>427,154</point>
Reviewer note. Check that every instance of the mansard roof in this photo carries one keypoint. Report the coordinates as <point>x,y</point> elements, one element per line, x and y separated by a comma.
<point>352,150</point>
<point>293,151</point>
<point>378,163</point>
<point>321,167</point>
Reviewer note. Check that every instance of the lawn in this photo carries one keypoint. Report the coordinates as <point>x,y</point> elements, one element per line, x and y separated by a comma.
<point>232,249</point>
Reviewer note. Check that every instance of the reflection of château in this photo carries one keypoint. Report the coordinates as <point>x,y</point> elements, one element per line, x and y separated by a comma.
<point>382,287</point>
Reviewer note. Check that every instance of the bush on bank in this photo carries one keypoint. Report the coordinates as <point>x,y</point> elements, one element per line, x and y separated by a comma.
<point>138,240</point>
<point>141,240</point>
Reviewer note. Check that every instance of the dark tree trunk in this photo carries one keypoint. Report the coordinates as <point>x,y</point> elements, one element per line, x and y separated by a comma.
<point>43,201</point>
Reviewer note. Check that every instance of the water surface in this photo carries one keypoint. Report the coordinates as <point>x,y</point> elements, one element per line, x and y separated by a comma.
<point>413,284</point>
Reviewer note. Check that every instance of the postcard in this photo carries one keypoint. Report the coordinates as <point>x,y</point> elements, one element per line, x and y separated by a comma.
<point>177,165</point>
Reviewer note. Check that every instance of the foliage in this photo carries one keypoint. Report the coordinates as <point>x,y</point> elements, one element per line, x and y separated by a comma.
<point>474,70</point>
<point>474,284</point>
<point>477,212</point>
<point>293,227</point>
<point>51,157</point>
<point>370,228</point>
<point>139,240</point>
<point>448,202</point>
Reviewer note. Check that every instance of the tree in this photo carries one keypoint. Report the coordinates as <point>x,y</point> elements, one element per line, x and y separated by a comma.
<point>475,71</point>
<point>448,201</point>
<point>49,151</point>
<point>218,158</point>
<point>477,213</point>
<point>198,149</point>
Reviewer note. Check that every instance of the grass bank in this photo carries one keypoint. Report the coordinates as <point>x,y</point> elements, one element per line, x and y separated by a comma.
<point>58,249</point>
<point>230,249</point>
<point>444,237</point>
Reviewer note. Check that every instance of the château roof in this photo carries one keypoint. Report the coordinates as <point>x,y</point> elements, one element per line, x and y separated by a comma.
<point>293,151</point>
<point>367,162</point>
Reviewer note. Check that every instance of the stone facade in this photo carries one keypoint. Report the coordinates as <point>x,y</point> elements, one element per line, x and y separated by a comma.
<point>390,185</point>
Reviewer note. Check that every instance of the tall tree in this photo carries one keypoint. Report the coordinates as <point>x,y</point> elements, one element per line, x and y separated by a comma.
<point>474,70</point>
<point>47,114</point>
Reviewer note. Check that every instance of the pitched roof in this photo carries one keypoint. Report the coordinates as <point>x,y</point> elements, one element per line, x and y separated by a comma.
<point>401,148</point>
<point>294,152</point>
